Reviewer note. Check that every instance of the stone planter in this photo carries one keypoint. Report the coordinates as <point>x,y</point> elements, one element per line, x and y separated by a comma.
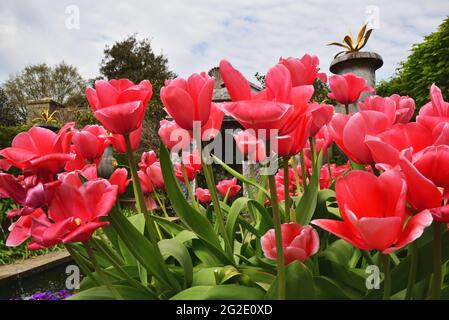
<point>363,64</point>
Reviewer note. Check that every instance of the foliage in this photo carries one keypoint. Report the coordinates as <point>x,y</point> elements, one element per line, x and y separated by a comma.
<point>354,46</point>
<point>61,83</point>
<point>426,64</point>
<point>47,118</point>
<point>7,134</point>
<point>11,115</point>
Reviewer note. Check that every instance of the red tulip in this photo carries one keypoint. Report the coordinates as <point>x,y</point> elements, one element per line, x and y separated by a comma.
<point>120,179</point>
<point>279,178</point>
<point>250,146</point>
<point>154,171</point>
<point>147,159</point>
<point>236,84</point>
<point>29,196</point>
<point>304,71</point>
<point>335,172</point>
<point>292,144</point>
<point>300,97</point>
<point>145,182</point>
<point>428,180</point>
<point>4,165</point>
<point>39,151</point>
<point>20,230</point>
<point>436,112</point>
<point>119,144</point>
<point>405,107</point>
<point>203,195</point>
<point>298,242</point>
<point>257,112</point>
<point>321,116</point>
<point>349,133</point>
<point>189,100</point>
<point>75,220</point>
<point>347,88</point>
<point>90,142</point>
<point>172,135</point>
<point>228,187</point>
<point>120,104</point>
<point>374,212</point>
<point>376,103</point>
<point>386,146</point>
<point>213,126</point>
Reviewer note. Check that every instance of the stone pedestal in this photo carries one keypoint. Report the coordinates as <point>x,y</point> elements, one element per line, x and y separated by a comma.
<point>363,64</point>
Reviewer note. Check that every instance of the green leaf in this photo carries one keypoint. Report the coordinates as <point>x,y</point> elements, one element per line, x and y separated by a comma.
<point>307,204</point>
<point>299,283</point>
<point>174,248</point>
<point>327,289</point>
<point>220,292</point>
<point>399,275</point>
<point>142,249</point>
<point>193,219</point>
<point>103,293</point>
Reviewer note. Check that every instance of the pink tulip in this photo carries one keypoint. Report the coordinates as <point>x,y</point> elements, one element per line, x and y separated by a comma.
<point>120,179</point>
<point>189,100</point>
<point>374,212</point>
<point>428,180</point>
<point>145,182</point>
<point>154,171</point>
<point>172,135</point>
<point>115,100</point>
<point>386,146</point>
<point>257,112</point>
<point>75,220</point>
<point>228,187</point>
<point>20,230</point>
<point>39,151</point>
<point>203,195</point>
<point>119,144</point>
<point>90,142</point>
<point>304,71</point>
<point>347,88</point>
<point>298,242</point>
<point>434,114</point>
<point>250,146</point>
<point>350,131</point>
<point>147,159</point>
<point>405,107</point>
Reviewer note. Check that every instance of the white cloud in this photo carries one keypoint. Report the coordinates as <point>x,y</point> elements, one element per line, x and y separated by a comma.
<point>196,34</point>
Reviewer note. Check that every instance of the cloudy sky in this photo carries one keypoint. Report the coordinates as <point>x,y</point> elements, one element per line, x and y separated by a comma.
<point>196,34</point>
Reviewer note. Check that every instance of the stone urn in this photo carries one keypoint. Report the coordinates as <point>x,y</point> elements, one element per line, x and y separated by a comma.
<point>363,64</point>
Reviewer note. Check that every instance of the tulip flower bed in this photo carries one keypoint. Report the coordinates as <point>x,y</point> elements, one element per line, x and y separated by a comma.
<point>373,228</point>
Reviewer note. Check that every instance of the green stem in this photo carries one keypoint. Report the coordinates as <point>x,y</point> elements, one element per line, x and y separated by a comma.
<point>277,231</point>
<point>368,257</point>
<point>208,173</point>
<point>413,253</point>
<point>138,194</point>
<point>303,170</point>
<point>188,186</point>
<point>278,236</point>
<point>437,261</point>
<point>106,281</point>
<point>387,276</point>
<point>312,151</point>
<point>347,108</point>
<point>295,170</point>
<point>79,261</point>
<point>286,189</point>
<point>108,254</point>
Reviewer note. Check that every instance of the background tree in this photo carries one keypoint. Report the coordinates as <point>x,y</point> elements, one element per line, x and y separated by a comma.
<point>10,115</point>
<point>135,60</point>
<point>428,63</point>
<point>62,83</point>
